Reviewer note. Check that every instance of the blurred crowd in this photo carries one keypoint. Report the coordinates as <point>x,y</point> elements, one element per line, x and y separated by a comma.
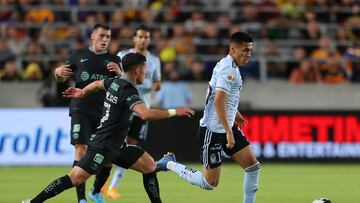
<point>302,41</point>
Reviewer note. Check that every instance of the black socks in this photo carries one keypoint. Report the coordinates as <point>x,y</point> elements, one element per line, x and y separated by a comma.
<point>100,179</point>
<point>53,189</point>
<point>151,186</point>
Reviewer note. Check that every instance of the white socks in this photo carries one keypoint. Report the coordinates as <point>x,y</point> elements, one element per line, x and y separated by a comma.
<point>251,181</point>
<point>191,175</point>
<point>118,175</point>
<point>195,177</point>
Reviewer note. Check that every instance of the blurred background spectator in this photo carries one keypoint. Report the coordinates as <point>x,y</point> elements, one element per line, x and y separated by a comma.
<point>275,69</point>
<point>50,93</point>
<point>305,73</point>
<point>295,40</point>
<point>5,52</point>
<point>174,92</point>
<point>10,72</point>
<point>352,56</point>
<point>197,71</point>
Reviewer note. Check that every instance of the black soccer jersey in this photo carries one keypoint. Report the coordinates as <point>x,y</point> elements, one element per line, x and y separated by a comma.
<point>121,97</point>
<point>87,67</point>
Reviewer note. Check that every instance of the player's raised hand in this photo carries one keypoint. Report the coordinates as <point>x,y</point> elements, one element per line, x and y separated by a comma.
<point>63,71</point>
<point>73,92</point>
<point>114,67</point>
<point>184,111</point>
<point>230,139</point>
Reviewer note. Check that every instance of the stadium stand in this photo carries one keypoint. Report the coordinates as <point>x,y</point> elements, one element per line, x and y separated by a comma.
<point>324,35</point>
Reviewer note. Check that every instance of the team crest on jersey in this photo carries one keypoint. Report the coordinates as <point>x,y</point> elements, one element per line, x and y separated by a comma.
<point>84,76</point>
<point>114,86</point>
<point>230,77</point>
<point>98,158</point>
<point>76,128</point>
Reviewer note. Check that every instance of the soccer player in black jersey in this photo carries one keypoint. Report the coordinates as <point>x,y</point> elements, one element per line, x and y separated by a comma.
<point>106,145</point>
<point>137,134</point>
<point>88,65</point>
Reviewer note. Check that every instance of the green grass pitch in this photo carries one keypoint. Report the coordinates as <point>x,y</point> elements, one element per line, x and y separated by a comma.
<point>279,183</point>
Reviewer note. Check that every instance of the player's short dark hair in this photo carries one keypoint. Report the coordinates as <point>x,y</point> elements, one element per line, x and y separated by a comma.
<point>240,37</point>
<point>131,60</point>
<point>141,27</point>
<point>98,25</point>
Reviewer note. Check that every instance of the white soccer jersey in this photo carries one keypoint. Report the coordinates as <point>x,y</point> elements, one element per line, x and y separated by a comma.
<point>153,74</point>
<point>225,77</point>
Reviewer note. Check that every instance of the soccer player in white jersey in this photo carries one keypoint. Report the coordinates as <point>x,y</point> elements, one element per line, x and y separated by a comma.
<point>138,128</point>
<point>217,131</point>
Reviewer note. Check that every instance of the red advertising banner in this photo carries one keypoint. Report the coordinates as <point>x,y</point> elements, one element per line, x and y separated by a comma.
<point>299,135</point>
<point>303,128</point>
<point>274,136</point>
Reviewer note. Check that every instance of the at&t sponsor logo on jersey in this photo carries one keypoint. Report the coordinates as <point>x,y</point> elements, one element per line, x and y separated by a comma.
<point>93,76</point>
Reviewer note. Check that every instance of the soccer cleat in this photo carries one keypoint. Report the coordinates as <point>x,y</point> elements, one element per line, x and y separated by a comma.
<point>162,163</point>
<point>83,201</point>
<point>26,201</point>
<point>97,197</point>
<point>113,194</point>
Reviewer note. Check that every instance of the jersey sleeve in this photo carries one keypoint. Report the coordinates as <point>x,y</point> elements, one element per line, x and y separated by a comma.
<point>120,54</point>
<point>107,82</point>
<point>225,79</point>
<point>157,72</point>
<point>72,60</point>
<point>118,61</point>
<point>131,97</point>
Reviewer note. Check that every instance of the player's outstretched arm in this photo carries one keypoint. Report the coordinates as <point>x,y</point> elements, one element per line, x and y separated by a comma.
<point>62,73</point>
<point>156,114</point>
<point>77,93</point>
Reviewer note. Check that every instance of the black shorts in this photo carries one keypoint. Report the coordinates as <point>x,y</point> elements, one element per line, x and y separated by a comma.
<point>82,126</point>
<point>138,129</point>
<point>212,144</point>
<point>95,159</point>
